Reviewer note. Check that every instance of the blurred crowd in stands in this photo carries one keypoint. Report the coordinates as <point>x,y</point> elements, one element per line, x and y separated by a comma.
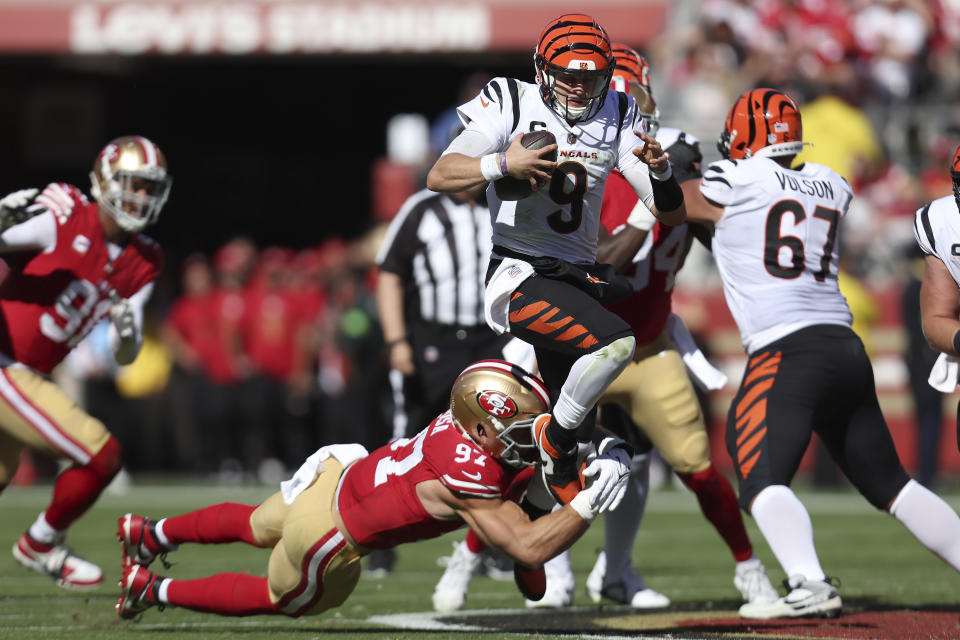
<point>264,353</point>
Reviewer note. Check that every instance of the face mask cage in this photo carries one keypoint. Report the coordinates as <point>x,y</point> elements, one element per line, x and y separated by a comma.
<point>135,198</point>
<point>723,143</point>
<point>518,438</point>
<point>595,82</point>
<point>652,121</point>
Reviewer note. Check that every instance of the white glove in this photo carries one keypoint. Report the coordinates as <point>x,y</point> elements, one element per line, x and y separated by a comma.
<point>18,199</point>
<point>606,478</point>
<point>121,315</point>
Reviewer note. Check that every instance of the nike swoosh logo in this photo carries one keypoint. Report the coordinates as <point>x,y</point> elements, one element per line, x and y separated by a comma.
<point>484,103</point>
<point>472,476</point>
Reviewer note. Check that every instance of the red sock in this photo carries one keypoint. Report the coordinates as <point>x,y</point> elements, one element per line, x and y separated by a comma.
<point>77,488</point>
<point>474,543</point>
<point>218,523</point>
<point>719,504</point>
<point>229,594</point>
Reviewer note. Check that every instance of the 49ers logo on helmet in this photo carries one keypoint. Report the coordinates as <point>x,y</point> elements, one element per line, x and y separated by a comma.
<point>497,404</point>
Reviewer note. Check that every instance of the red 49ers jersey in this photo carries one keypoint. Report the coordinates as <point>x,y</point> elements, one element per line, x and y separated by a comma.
<point>378,498</point>
<point>654,268</point>
<point>50,301</point>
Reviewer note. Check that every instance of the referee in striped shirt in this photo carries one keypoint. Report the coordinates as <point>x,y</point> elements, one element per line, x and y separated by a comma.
<point>433,265</point>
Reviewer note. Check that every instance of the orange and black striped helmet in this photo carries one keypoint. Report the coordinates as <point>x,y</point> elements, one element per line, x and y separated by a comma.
<point>629,67</point>
<point>577,49</point>
<point>631,74</point>
<point>762,122</point>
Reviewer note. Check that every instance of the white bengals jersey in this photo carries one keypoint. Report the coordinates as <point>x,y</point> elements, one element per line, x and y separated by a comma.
<point>937,228</point>
<point>776,245</point>
<point>561,219</point>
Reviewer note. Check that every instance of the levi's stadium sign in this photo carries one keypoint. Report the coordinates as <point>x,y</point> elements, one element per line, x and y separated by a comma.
<point>302,27</point>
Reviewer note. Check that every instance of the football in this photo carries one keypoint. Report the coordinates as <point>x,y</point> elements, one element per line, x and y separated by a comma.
<point>510,188</point>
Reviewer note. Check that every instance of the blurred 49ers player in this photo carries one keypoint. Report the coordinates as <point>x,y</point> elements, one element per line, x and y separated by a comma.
<point>343,503</point>
<point>73,262</point>
<point>655,390</point>
<point>545,285</point>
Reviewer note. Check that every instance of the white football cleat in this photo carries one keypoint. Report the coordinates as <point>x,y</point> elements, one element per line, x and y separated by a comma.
<point>450,594</point>
<point>58,561</point>
<point>817,598</point>
<point>751,580</point>
<point>628,588</point>
<point>560,584</point>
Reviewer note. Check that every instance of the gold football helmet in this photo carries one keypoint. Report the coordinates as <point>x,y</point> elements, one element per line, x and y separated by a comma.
<point>130,180</point>
<point>504,398</point>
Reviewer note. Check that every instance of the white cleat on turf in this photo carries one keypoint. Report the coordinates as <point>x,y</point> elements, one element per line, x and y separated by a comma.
<point>560,584</point>
<point>628,588</point>
<point>450,594</point>
<point>751,580</point>
<point>58,561</point>
<point>814,598</point>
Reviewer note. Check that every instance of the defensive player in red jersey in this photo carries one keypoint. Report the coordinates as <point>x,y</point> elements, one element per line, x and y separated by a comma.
<point>655,389</point>
<point>72,262</point>
<point>343,503</point>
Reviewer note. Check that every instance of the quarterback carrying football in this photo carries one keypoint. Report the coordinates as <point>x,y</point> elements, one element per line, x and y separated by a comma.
<point>73,262</point>
<point>544,283</point>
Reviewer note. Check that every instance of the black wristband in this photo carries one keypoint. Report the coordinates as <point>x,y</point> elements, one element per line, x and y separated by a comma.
<point>667,194</point>
<point>956,342</point>
<point>392,343</point>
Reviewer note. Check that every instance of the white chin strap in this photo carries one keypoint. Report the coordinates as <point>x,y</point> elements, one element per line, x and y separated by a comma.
<point>781,149</point>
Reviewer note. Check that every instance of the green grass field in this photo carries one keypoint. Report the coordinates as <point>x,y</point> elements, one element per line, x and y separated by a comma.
<point>878,562</point>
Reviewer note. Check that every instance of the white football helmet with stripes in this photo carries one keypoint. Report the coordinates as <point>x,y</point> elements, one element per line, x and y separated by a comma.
<point>130,181</point>
<point>501,397</point>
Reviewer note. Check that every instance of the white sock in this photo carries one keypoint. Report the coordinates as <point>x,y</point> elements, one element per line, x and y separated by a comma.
<point>161,536</point>
<point>785,524</point>
<point>42,532</point>
<point>589,377</point>
<point>620,525</point>
<point>567,413</point>
<point>930,520</point>
<point>162,591</point>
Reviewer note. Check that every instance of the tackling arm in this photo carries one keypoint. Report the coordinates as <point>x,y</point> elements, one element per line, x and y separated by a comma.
<point>939,304</point>
<point>504,526</point>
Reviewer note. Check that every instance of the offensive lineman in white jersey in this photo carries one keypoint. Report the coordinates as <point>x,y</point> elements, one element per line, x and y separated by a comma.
<point>775,245</point>
<point>937,228</point>
<point>544,284</point>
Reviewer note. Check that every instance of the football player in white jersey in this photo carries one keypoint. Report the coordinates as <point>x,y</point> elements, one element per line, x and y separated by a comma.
<point>937,228</point>
<point>545,286</point>
<point>657,401</point>
<point>775,245</point>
